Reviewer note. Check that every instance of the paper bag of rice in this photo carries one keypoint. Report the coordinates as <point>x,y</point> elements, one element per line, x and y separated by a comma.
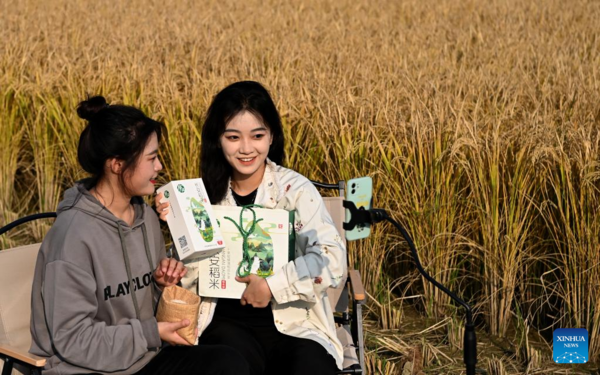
<point>177,304</point>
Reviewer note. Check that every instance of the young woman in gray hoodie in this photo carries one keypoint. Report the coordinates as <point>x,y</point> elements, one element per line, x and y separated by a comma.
<point>102,265</point>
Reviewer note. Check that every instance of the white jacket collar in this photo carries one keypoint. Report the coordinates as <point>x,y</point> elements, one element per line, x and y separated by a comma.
<point>269,191</point>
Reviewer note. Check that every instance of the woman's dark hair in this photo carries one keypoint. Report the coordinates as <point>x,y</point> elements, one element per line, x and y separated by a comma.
<point>234,99</point>
<point>113,131</point>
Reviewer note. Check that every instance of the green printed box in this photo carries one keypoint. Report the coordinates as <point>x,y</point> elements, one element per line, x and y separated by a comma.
<point>265,236</point>
<point>191,219</point>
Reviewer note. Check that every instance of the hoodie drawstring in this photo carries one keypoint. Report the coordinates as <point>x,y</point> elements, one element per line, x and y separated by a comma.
<point>148,253</point>
<point>128,266</point>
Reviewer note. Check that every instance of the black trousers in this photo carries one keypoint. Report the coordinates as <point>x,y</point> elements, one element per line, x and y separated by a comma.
<point>267,351</point>
<point>196,360</point>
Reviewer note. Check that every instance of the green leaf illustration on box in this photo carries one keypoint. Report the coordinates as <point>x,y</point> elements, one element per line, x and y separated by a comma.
<point>260,248</point>
<point>202,220</point>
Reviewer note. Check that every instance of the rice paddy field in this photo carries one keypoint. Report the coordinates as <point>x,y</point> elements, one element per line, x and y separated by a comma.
<point>477,120</point>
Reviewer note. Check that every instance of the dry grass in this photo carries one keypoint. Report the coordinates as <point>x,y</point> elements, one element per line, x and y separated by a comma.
<point>477,120</point>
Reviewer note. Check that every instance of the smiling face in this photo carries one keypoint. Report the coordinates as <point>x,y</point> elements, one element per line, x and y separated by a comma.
<point>245,144</point>
<point>142,178</point>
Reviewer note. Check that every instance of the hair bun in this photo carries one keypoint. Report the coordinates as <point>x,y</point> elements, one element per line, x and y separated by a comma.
<point>87,109</point>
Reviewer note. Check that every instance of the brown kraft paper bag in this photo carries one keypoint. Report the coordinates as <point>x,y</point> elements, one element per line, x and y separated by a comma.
<point>177,304</point>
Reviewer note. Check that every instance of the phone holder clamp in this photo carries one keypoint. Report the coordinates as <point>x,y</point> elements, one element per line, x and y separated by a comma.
<point>360,216</point>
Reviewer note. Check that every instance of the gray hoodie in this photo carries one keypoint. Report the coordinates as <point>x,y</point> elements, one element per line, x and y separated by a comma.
<point>93,297</point>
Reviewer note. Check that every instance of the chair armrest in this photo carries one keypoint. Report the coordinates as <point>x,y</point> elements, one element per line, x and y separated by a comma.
<point>22,355</point>
<point>358,291</point>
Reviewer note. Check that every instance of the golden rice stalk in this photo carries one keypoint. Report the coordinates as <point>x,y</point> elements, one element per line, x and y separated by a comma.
<point>11,143</point>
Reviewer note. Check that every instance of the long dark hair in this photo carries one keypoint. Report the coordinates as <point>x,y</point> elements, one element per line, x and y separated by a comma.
<point>113,131</point>
<point>232,100</point>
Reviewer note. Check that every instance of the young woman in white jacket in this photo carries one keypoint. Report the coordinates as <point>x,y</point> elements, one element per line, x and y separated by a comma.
<point>284,323</point>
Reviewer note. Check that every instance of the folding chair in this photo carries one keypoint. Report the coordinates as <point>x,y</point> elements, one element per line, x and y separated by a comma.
<point>17,266</point>
<point>346,300</point>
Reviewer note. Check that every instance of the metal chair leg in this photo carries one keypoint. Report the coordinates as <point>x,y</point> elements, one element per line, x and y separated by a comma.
<point>8,366</point>
<point>361,347</point>
<point>356,329</point>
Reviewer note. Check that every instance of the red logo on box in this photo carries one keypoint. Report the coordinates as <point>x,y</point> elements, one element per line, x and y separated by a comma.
<point>280,226</point>
<point>220,242</point>
<point>223,284</point>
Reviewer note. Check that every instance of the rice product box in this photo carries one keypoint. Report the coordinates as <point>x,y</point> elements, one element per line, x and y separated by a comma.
<point>258,240</point>
<point>191,219</point>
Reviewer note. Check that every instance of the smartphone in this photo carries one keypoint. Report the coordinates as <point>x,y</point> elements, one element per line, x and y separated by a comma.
<point>360,191</point>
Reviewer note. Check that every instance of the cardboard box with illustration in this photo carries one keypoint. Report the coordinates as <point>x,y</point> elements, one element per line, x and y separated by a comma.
<point>261,249</point>
<point>191,219</point>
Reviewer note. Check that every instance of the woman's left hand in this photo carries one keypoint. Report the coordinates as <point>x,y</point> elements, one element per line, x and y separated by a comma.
<point>169,272</point>
<point>257,293</point>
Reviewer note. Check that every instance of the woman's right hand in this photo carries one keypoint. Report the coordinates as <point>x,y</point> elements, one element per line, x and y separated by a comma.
<point>161,208</point>
<point>168,332</point>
